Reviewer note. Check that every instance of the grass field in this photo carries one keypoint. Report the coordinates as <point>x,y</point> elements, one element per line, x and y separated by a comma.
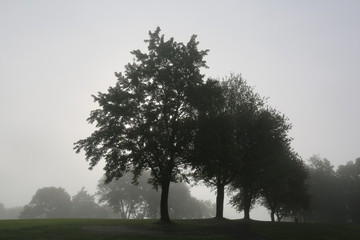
<point>209,229</point>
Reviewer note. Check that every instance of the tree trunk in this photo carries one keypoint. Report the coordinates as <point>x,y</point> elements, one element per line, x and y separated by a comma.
<point>164,210</point>
<point>247,205</point>
<point>278,217</point>
<point>272,216</point>
<point>220,201</point>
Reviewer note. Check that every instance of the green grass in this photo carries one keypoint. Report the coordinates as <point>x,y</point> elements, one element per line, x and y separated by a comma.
<point>306,231</point>
<point>209,229</point>
<point>71,229</point>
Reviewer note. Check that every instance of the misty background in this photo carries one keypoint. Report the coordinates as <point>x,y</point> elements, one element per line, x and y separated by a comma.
<point>303,55</point>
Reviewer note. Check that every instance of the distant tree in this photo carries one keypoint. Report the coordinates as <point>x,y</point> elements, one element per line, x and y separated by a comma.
<point>84,206</point>
<point>349,178</point>
<point>327,195</point>
<point>141,200</point>
<point>124,197</point>
<point>224,110</point>
<point>48,202</point>
<point>9,213</point>
<point>184,206</point>
<point>143,121</point>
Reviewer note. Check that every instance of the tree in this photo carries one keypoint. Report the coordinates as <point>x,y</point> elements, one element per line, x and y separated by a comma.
<point>84,206</point>
<point>142,122</point>
<point>124,197</point>
<point>184,206</point>
<point>263,137</point>
<point>327,194</point>
<point>224,109</point>
<point>48,202</point>
<point>141,200</point>
<point>284,191</point>
<point>349,177</point>
<point>9,213</point>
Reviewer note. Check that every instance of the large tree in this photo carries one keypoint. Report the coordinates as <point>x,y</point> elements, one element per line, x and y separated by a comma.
<point>283,188</point>
<point>263,137</point>
<point>225,109</point>
<point>142,122</point>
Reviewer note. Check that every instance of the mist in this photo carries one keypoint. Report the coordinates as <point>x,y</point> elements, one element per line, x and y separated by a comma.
<point>304,56</point>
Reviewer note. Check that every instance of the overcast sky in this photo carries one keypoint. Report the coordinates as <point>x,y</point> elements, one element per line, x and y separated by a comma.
<point>303,55</point>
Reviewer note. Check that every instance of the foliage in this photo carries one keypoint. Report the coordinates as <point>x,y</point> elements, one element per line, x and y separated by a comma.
<point>335,194</point>
<point>141,200</point>
<point>84,206</point>
<point>9,213</point>
<point>266,165</point>
<point>327,196</point>
<point>52,202</point>
<point>124,197</point>
<point>224,108</point>
<point>142,122</point>
<point>349,177</point>
<point>48,202</point>
<point>284,192</point>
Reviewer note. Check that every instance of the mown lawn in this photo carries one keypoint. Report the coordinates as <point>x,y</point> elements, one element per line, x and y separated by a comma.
<point>209,229</point>
<point>306,231</point>
<point>104,229</point>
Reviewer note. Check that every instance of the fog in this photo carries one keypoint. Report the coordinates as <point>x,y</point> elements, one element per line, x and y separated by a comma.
<point>303,55</point>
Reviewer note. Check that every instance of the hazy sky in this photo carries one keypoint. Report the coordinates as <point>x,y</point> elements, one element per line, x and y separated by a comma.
<point>303,55</point>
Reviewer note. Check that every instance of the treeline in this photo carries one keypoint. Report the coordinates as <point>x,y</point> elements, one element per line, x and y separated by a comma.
<point>117,199</point>
<point>9,213</point>
<point>162,116</point>
<point>335,194</point>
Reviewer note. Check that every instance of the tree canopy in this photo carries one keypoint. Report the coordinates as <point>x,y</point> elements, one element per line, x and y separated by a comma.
<point>335,194</point>
<point>143,120</point>
<point>48,202</point>
<point>225,110</point>
<point>161,116</point>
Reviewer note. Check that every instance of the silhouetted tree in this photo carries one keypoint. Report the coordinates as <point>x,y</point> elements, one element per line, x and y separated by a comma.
<point>263,136</point>
<point>224,110</point>
<point>349,178</point>
<point>48,202</point>
<point>142,120</point>
<point>284,191</point>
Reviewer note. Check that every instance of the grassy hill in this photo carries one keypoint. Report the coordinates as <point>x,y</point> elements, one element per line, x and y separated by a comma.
<point>209,229</point>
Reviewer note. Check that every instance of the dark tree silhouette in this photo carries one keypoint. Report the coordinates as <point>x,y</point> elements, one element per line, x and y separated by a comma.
<point>283,190</point>
<point>143,121</point>
<point>349,177</point>
<point>224,112</point>
<point>264,137</point>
